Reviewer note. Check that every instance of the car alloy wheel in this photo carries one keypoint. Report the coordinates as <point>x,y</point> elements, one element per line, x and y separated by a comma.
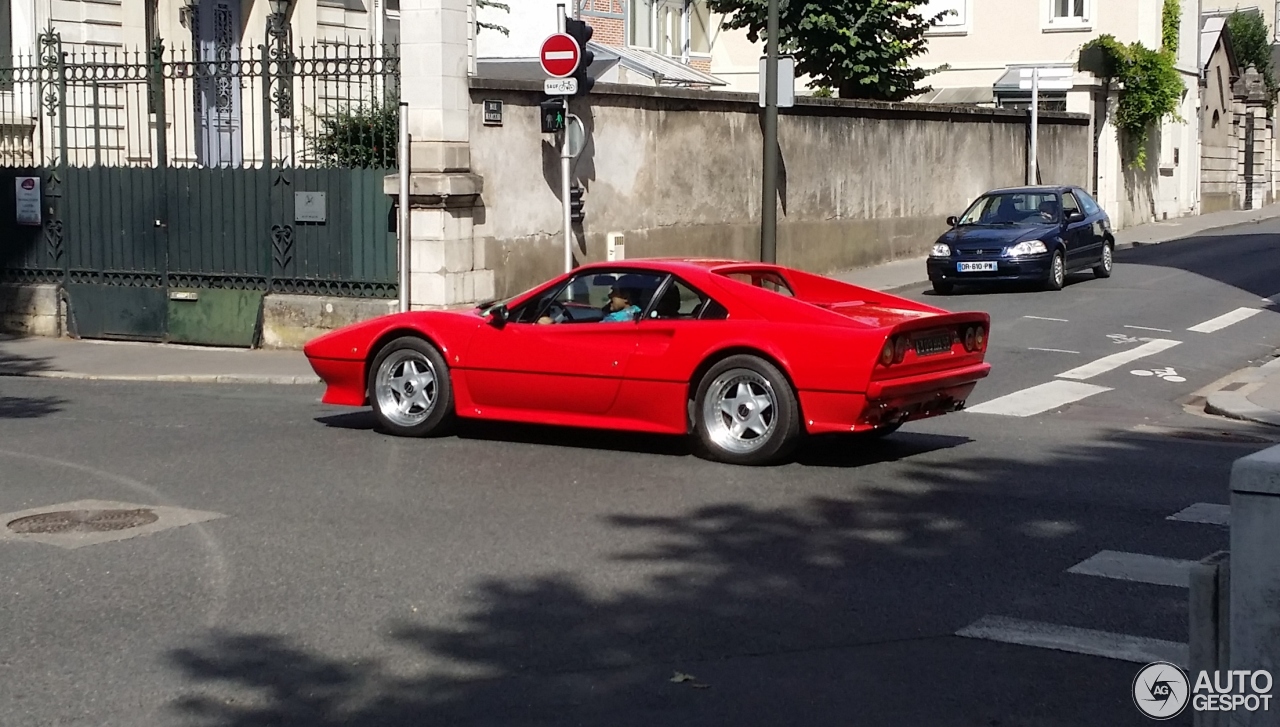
<point>1103,270</point>
<point>1057,272</point>
<point>746,412</point>
<point>409,388</point>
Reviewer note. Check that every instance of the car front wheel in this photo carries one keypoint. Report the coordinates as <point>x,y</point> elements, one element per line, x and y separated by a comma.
<point>1103,269</point>
<point>410,389</point>
<point>1057,272</point>
<point>746,413</point>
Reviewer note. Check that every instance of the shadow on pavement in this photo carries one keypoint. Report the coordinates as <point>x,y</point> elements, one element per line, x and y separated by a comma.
<point>1244,261</point>
<point>17,407</point>
<point>12,364</point>
<point>803,613</point>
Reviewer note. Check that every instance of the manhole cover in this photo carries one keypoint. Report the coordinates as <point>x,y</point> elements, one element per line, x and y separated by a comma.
<point>82,521</point>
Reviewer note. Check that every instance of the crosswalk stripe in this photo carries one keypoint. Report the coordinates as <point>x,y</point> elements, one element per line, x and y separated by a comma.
<point>1224,320</point>
<point>1136,567</point>
<point>1123,647</point>
<point>1037,399</point>
<point>1116,360</point>
<point>1207,513</point>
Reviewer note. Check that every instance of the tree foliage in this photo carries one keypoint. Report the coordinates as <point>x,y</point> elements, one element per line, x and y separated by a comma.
<point>861,48</point>
<point>1151,88</point>
<point>1250,38</point>
<point>359,136</point>
<point>482,25</point>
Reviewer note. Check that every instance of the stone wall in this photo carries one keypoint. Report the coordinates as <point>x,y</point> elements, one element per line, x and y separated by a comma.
<point>679,173</point>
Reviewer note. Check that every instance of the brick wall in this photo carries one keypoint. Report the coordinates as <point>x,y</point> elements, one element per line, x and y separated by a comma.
<point>608,31</point>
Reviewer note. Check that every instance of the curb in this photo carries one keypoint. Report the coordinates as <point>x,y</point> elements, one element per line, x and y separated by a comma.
<point>170,378</point>
<point>1236,404</point>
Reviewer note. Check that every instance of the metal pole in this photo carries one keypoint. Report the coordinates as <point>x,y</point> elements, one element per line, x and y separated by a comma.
<point>769,201</point>
<point>403,224</point>
<point>1032,163</point>
<point>565,158</point>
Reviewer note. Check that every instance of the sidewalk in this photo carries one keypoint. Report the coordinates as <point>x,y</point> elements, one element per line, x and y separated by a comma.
<point>911,271</point>
<point>1252,395</point>
<point>65,358</point>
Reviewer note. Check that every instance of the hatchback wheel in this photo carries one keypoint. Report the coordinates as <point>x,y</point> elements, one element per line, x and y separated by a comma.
<point>1103,269</point>
<point>1057,272</point>
<point>410,389</point>
<point>745,412</point>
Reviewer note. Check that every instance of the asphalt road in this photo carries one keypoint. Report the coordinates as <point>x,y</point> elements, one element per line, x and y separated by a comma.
<point>531,576</point>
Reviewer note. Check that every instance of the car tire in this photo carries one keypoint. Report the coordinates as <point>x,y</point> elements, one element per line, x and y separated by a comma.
<point>737,397</point>
<point>1103,269</point>
<point>942,287</point>
<point>411,369</point>
<point>1057,272</point>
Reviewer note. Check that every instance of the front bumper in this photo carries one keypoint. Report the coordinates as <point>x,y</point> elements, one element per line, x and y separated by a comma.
<point>1031,267</point>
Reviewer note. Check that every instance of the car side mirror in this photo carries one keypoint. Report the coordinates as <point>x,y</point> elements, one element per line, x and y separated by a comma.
<point>952,221</point>
<point>498,316</point>
<point>1075,216</point>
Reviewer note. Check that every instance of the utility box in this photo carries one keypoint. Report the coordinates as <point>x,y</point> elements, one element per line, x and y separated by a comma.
<point>615,247</point>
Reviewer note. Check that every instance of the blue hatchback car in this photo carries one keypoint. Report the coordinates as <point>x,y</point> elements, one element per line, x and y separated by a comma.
<point>1027,233</point>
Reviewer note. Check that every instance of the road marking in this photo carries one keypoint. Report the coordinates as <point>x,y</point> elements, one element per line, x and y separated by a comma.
<point>1224,320</point>
<point>1168,373</point>
<point>1052,350</point>
<point>1206,513</point>
<point>1037,399</point>
<point>1137,649</point>
<point>1144,328</point>
<point>1042,318</point>
<point>1116,360</point>
<point>1136,567</point>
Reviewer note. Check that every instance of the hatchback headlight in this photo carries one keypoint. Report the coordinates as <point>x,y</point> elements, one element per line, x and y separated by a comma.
<point>940,250</point>
<point>1030,247</point>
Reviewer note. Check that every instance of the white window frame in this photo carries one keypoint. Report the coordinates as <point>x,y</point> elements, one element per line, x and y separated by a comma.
<point>959,29</point>
<point>1052,24</point>
<point>681,23</point>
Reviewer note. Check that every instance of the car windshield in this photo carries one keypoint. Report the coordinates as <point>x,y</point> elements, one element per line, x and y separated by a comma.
<point>1013,208</point>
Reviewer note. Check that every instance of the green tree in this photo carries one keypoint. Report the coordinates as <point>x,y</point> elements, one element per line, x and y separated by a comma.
<point>861,48</point>
<point>1250,38</point>
<point>481,25</point>
<point>358,136</point>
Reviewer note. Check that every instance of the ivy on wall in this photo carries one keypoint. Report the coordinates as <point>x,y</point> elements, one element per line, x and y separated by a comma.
<point>1150,86</point>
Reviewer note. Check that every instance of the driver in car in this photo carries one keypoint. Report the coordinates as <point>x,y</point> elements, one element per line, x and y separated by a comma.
<point>620,308</point>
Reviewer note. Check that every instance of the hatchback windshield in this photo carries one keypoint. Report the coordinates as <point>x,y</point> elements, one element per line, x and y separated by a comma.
<point>1021,208</point>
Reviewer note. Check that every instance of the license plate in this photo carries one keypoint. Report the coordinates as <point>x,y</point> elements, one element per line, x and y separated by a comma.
<point>975,267</point>
<point>931,345</point>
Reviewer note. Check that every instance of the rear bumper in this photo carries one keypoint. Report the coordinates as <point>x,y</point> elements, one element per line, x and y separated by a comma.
<point>1028,268</point>
<point>344,381</point>
<point>893,401</point>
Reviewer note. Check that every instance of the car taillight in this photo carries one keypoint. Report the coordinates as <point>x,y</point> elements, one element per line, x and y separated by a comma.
<point>970,339</point>
<point>886,354</point>
<point>981,338</point>
<point>900,349</point>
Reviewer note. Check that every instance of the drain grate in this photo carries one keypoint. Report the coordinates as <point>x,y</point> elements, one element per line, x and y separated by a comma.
<point>82,521</point>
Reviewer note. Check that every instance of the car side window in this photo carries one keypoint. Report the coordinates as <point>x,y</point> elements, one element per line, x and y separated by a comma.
<point>766,280</point>
<point>1069,204</point>
<point>1090,206</point>
<point>593,297</point>
<point>680,301</point>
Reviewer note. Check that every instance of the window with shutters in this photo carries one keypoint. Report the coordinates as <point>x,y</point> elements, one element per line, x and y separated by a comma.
<point>955,18</point>
<point>1068,14</point>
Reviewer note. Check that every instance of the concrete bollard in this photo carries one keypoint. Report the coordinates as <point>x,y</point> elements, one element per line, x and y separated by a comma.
<point>1210,611</point>
<point>1255,577</point>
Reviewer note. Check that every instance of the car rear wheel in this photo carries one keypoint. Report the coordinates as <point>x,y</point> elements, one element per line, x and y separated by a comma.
<point>746,413</point>
<point>942,287</point>
<point>410,389</point>
<point>1103,270</point>
<point>1057,272</point>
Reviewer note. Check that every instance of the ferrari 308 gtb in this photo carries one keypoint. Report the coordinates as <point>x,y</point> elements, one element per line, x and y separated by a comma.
<point>748,357</point>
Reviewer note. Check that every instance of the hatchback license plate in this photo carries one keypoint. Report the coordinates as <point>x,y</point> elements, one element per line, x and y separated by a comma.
<point>975,267</point>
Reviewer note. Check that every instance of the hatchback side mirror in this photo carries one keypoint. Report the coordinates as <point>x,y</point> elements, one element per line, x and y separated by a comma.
<point>952,221</point>
<point>1075,216</point>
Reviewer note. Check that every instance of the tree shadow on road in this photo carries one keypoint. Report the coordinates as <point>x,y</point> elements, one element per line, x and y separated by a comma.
<point>19,407</point>
<point>828,609</point>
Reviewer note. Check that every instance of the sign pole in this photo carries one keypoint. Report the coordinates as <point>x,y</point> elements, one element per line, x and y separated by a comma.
<point>769,196</point>
<point>403,228</point>
<point>565,158</point>
<point>1033,163</point>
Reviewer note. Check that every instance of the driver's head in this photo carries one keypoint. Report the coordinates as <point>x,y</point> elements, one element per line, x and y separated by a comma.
<point>620,298</point>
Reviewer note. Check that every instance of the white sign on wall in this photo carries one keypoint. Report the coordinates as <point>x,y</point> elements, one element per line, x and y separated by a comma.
<point>27,193</point>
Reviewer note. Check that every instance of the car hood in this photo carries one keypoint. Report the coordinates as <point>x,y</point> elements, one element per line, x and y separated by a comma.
<point>977,237</point>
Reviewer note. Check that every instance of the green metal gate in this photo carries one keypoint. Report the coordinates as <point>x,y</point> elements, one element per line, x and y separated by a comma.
<point>267,177</point>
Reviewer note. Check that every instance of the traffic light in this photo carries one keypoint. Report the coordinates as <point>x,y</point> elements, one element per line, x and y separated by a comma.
<point>553,116</point>
<point>576,213</point>
<point>582,33</point>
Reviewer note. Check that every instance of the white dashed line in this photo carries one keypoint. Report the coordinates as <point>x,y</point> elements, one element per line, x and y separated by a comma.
<point>1224,320</point>
<point>1042,318</point>
<point>1144,328</point>
<point>1206,513</point>
<point>1052,350</point>
<point>1136,567</point>
<point>1137,649</point>
<point>1037,399</point>
<point>1116,360</point>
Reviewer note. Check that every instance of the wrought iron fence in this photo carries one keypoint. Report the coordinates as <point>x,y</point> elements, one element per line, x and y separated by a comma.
<point>226,107</point>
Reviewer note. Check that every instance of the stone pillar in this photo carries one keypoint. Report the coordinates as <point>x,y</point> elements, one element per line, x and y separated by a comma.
<point>1255,575</point>
<point>446,265</point>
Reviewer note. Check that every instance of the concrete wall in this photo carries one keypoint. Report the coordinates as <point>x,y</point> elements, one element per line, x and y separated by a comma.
<point>678,172</point>
<point>1218,138</point>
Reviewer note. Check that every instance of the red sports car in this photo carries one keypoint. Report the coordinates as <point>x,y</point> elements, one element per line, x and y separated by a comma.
<point>747,356</point>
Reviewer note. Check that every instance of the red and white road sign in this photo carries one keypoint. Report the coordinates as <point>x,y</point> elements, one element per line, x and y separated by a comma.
<point>560,55</point>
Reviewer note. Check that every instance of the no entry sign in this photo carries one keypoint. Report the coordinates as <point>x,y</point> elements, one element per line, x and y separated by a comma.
<point>560,55</point>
